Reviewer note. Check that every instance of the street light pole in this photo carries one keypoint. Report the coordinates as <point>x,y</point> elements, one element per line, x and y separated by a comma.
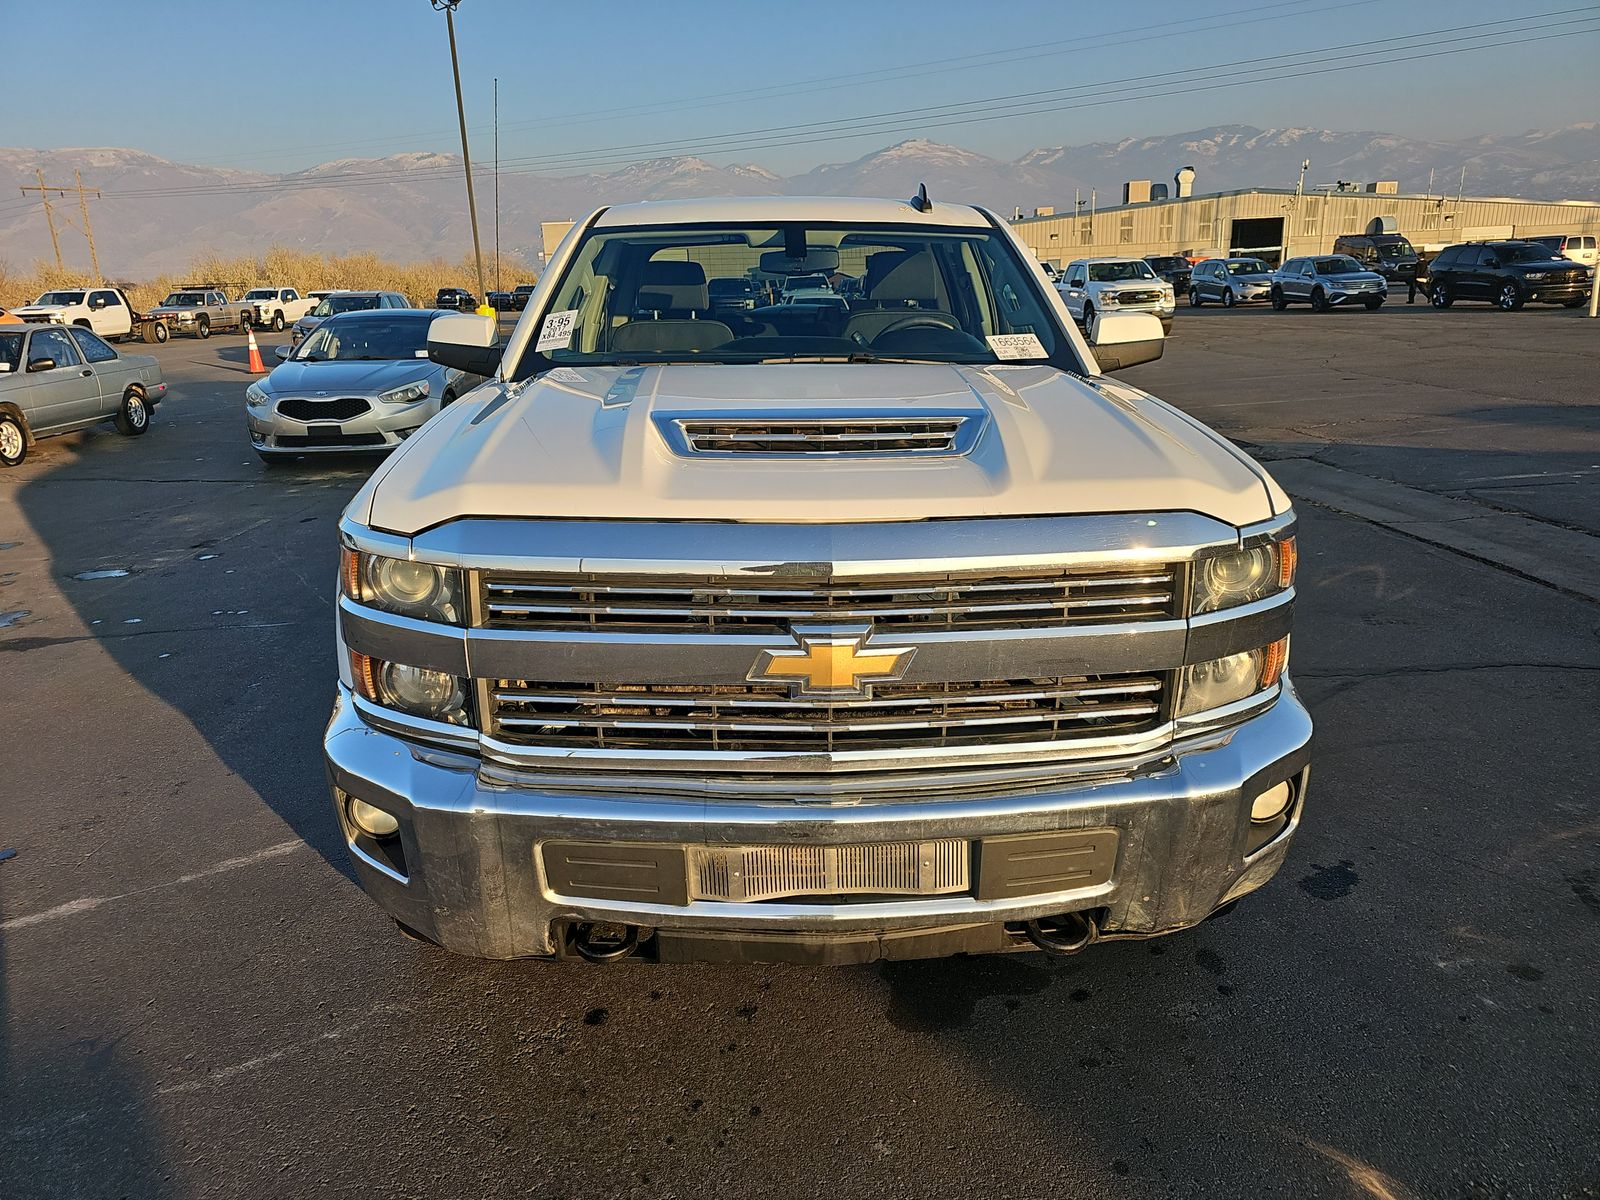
<point>448,7</point>
<point>497,184</point>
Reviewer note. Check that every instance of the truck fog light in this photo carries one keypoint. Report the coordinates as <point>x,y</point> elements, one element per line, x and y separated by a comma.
<point>372,820</point>
<point>1270,805</point>
<point>421,691</point>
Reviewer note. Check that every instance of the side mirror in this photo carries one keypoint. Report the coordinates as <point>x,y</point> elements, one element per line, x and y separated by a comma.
<point>43,363</point>
<point>465,342</point>
<point>98,302</point>
<point>283,352</point>
<point>1122,340</point>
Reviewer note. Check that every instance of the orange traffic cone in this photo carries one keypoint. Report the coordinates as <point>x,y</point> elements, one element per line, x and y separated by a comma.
<point>257,367</point>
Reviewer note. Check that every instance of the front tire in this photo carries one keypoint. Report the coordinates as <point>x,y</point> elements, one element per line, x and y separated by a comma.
<point>1441,296</point>
<point>1510,297</point>
<point>1319,300</point>
<point>1279,301</point>
<point>277,322</point>
<point>1194,297</point>
<point>202,328</point>
<point>13,440</point>
<point>133,416</point>
<point>1088,318</point>
<point>1228,298</point>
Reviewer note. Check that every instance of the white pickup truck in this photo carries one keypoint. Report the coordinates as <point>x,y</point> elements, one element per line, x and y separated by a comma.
<point>902,631</point>
<point>275,307</point>
<point>104,310</point>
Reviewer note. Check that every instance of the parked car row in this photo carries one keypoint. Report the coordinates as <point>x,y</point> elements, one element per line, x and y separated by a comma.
<point>1361,271</point>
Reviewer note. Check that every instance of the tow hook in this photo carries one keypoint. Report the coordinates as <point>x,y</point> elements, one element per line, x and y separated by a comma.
<point>1066,933</point>
<point>603,941</point>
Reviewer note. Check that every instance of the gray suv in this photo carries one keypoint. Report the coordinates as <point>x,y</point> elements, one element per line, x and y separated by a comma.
<point>1327,281</point>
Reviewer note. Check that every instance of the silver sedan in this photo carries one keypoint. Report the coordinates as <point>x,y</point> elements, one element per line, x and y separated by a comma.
<point>360,381</point>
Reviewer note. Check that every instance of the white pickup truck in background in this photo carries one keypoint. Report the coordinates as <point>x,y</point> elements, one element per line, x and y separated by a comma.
<point>275,307</point>
<point>105,310</point>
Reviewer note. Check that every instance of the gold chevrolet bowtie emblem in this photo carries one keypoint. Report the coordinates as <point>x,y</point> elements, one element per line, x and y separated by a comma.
<point>832,660</point>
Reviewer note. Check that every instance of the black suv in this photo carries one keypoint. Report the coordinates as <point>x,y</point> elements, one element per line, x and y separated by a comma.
<point>1507,274</point>
<point>457,298</point>
<point>1389,254</point>
<point>1174,268</point>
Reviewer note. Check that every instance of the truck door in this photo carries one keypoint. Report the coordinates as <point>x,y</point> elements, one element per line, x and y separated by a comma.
<point>108,315</point>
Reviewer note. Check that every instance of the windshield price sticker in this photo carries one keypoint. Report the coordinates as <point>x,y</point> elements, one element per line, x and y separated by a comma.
<point>1011,346</point>
<point>556,332</point>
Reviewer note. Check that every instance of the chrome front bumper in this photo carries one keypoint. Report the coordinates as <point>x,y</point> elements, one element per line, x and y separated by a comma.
<point>469,872</point>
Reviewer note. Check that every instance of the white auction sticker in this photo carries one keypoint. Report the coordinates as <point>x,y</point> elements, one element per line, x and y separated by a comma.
<point>556,332</point>
<point>1007,346</point>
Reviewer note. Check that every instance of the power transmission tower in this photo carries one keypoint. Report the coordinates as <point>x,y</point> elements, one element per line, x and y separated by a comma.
<point>83,195</point>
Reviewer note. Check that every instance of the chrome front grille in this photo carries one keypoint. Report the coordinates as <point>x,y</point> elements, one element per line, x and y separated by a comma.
<point>837,437</point>
<point>1045,599</point>
<point>766,718</point>
<point>753,873</point>
<point>1139,297</point>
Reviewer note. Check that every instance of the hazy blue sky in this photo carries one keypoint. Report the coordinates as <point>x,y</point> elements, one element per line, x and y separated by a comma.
<point>290,83</point>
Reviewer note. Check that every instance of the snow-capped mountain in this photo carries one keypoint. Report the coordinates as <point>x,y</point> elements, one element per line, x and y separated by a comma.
<point>156,214</point>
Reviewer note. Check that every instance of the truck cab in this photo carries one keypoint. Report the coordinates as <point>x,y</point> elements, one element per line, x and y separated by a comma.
<point>690,636</point>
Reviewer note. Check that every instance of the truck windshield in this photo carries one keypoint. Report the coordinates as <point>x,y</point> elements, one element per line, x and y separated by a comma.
<point>1395,250</point>
<point>183,300</point>
<point>60,298</point>
<point>911,292</point>
<point>1116,272</point>
<point>367,339</point>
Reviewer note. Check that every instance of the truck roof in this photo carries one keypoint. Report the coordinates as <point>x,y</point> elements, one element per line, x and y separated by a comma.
<point>756,210</point>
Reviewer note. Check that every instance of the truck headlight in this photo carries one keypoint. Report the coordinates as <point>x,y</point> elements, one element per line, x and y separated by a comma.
<point>1241,576</point>
<point>1536,275</point>
<point>403,586</point>
<point>256,396</point>
<point>420,691</point>
<point>1223,681</point>
<point>1109,300</point>
<point>406,394</point>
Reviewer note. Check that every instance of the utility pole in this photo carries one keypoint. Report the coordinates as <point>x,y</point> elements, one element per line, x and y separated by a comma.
<point>83,193</point>
<point>448,7</point>
<point>497,183</point>
<point>88,226</point>
<point>49,217</point>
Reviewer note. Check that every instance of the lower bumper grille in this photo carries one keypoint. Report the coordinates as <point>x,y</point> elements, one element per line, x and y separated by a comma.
<point>752,873</point>
<point>289,441</point>
<point>765,718</point>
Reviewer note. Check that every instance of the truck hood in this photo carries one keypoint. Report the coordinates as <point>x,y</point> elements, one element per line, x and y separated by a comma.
<point>40,310</point>
<point>604,443</point>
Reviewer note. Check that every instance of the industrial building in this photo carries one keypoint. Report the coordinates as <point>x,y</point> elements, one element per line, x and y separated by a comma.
<point>1275,224</point>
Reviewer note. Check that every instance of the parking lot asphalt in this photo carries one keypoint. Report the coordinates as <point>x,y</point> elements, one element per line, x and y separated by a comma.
<point>196,999</point>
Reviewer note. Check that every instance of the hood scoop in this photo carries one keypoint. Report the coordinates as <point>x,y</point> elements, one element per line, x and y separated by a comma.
<point>833,435</point>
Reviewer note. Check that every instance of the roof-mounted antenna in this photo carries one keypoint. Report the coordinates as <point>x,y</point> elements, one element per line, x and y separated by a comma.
<point>920,201</point>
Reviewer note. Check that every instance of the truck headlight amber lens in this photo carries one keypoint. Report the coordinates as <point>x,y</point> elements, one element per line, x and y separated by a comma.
<point>1224,681</point>
<point>402,586</point>
<point>1240,576</point>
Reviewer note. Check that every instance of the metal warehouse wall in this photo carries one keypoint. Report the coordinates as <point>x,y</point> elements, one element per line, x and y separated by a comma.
<point>1205,224</point>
